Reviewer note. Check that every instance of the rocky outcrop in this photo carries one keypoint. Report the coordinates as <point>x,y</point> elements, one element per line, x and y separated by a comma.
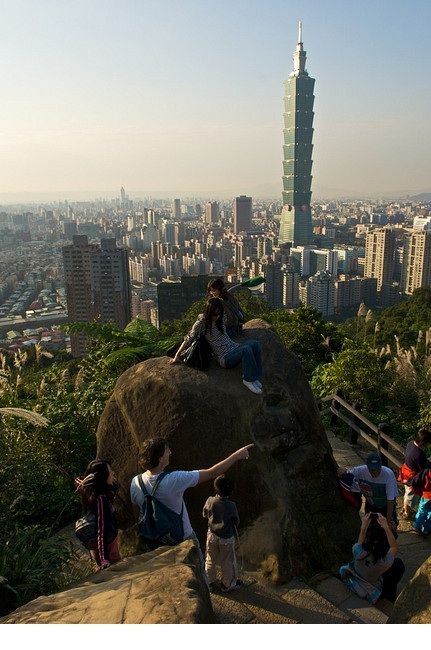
<point>165,586</point>
<point>413,605</point>
<point>287,492</point>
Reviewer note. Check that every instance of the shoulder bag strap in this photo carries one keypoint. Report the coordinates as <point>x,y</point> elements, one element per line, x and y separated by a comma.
<point>157,483</point>
<point>141,484</point>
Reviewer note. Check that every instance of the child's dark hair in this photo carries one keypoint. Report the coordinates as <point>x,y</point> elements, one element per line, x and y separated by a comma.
<point>223,486</point>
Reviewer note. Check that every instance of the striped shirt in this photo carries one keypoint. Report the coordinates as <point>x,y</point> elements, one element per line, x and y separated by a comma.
<point>220,342</point>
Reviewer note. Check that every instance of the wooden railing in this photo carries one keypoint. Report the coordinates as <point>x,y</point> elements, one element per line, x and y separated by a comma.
<point>375,435</point>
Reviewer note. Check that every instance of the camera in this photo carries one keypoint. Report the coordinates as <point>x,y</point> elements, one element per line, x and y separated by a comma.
<point>374,516</point>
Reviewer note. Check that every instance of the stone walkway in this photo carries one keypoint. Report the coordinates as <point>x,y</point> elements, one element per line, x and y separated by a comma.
<point>414,549</point>
<point>325,599</point>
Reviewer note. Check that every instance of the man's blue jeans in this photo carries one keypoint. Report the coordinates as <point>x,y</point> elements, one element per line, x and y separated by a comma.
<point>249,354</point>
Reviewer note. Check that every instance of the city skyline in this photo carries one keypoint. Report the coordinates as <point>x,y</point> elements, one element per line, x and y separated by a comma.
<point>185,99</point>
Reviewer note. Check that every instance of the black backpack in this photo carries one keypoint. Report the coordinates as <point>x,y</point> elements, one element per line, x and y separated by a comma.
<point>198,354</point>
<point>158,525</point>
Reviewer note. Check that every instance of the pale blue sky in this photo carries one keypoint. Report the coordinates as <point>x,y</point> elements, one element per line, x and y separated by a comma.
<point>187,97</point>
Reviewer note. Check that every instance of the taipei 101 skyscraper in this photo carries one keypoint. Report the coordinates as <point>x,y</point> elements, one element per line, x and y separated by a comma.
<point>295,224</point>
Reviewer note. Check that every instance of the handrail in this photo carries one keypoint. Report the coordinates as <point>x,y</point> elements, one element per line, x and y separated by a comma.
<point>381,436</point>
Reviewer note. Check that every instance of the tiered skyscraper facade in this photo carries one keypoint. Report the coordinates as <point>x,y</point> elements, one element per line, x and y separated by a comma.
<point>295,225</point>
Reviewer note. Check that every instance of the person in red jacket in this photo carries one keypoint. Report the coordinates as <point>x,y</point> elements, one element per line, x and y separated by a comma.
<point>415,461</point>
<point>422,483</point>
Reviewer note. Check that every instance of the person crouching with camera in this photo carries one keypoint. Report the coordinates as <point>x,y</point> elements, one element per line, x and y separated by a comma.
<point>375,570</point>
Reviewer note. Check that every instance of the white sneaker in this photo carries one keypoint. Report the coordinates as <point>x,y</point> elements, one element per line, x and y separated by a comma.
<point>252,386</point>
<point>258,383</point>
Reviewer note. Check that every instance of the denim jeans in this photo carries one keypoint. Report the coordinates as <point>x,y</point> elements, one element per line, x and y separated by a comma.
<point>249,354</point>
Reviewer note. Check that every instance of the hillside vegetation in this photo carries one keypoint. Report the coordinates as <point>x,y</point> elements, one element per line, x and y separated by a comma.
<point>380,360</point>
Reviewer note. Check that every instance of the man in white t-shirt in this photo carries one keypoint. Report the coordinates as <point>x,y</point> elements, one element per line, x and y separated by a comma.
<point>155,458</point>
<point>378,485</point>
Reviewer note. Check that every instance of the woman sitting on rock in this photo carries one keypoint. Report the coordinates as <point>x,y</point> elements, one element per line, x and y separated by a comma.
<point>229,354</point>
<point>97,488</point>
<point>234,316</point>
<point>375,571</point>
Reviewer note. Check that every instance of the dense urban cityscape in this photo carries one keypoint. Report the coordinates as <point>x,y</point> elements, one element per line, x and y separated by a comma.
<point>158,256</point>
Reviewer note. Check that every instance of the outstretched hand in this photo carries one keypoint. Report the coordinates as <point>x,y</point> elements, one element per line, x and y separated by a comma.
<point>243,453</point>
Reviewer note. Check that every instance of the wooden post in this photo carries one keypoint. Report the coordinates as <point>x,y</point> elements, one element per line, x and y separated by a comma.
<point>383,444</point>
<point>354,434</point>
<point>335,405</point>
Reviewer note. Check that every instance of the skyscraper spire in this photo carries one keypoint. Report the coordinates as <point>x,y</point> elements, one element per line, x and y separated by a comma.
<point>299,56</point>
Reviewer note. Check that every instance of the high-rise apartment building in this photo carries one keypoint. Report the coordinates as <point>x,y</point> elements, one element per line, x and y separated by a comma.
<point>273,282</point>
<point>70,229</point>
<point>170,232</point>
<point>263,247</point>
<point>380,247</point>
<point>319,292</point>
<point>139,266</point>
<point>242,213</point>
<point>350,292</point>
<point>295,224</point>
<point>212,212</point>
<point>422,223</point>
<point>416,261</point>
<point>97,285</point>
<point>174,298</point>
<point>291,279</point>
<point>176,209</point>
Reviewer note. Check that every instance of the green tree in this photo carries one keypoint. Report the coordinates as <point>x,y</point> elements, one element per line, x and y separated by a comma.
<point>357,373</point>
<point>308,335</point>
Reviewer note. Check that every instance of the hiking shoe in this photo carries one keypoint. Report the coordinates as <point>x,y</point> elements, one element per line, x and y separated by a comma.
<point>258,383</point>
<point>252,386</point>
<point>238,584</point>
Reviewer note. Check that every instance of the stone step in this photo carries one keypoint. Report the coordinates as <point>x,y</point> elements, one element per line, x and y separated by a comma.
<point>253,603</point>
<point>356,608</point>
<point>258,601</point>
<point>309,606</point>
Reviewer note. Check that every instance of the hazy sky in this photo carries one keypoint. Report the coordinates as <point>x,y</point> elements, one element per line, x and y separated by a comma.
<point>186,97</point>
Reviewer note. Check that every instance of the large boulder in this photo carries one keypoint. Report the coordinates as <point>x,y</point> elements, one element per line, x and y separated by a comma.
<point>413,605</point>
<point>165,586</point>
<point>287,492</point>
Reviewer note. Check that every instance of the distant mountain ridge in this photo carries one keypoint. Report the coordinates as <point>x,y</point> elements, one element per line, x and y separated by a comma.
<point>425,196</point>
